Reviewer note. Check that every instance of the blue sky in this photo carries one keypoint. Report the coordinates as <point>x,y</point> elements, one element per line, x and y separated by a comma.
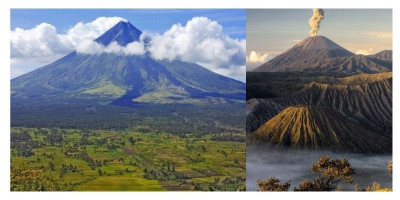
<point>155,20</point>
<point>273,31</point>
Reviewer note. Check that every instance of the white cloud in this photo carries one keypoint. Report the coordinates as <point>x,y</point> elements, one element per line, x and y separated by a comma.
<point>135,48</point>
<point>41,40</point>
<point>365,51</point>
<point>42,43</point>
<point>200,41</point>
<point>235,72</point>
<point>91,30</point>
<point>386,35</point>
<point>257,57</point>
<point>89,47</point>
<point>92,47</point>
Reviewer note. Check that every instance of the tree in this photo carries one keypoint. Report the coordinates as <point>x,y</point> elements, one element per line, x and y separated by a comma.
<point>272,184</point>
<point>55,136</point>
<point>131,140</point>
<point>330,173</point>
<point>316,185</point>
<point>376,187</point>
<point>51,166</point>
<point>100,172</point>
<point>173,167</point>
<point>26,150</point>
<point>203,148</point>
<point>84,140</point>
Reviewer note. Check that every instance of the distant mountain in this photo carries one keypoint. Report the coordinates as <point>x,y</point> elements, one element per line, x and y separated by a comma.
<point>308,127</point>
<point>318,54</point>
<point>385,55</point>
<point>123,80</point>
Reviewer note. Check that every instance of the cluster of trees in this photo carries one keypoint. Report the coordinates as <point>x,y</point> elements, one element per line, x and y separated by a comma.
<point>229,137</point>
<point>110,143</point>
<point>166,171</point>
<point>67,168</point>
<point>83,154</point>
<point>161,174</point>
<point>55,136</point>
<point>273,184</point>
<point>23,143</point>
<point>376,187</point>
<point>329,173</point>
<point>226,184</point>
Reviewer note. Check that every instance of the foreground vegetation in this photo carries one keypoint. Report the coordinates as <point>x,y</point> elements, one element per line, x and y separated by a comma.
<point>329,173</point>
<point>128,160</point>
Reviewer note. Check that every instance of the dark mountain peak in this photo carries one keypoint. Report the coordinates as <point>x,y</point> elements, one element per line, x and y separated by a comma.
<point>123,33</point>
<point>318,42</point>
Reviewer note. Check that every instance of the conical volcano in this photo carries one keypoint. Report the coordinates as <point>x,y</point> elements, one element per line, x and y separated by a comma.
<point>123,33</point>
<point>123,79</point>
<point>319,54</point>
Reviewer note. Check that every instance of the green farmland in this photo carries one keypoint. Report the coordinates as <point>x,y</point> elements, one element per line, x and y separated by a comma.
<point>99,160</point>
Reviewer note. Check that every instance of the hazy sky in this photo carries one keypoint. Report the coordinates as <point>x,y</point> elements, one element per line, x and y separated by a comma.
<point>273,31</point>
<point>41,36</point>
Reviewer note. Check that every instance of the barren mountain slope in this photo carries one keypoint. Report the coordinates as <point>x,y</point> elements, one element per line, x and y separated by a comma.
<point>258,111</point>
<point>364,98</point>
<point>305,127</point>
<point>357,64</point>
<point>383,55</point>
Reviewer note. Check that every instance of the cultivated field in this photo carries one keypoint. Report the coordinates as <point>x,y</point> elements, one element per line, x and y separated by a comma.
<point>98,160</point>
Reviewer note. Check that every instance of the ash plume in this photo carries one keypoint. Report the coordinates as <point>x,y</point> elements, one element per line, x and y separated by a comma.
<point>314,21</point>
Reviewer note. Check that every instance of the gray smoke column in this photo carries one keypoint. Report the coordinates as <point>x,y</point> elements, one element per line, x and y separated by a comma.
<point>317,17</point>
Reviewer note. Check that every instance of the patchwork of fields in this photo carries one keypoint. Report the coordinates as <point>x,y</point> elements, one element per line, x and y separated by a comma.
<point>99,160</point>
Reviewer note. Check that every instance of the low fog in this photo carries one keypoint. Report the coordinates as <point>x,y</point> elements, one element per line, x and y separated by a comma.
<point>264,162</point>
